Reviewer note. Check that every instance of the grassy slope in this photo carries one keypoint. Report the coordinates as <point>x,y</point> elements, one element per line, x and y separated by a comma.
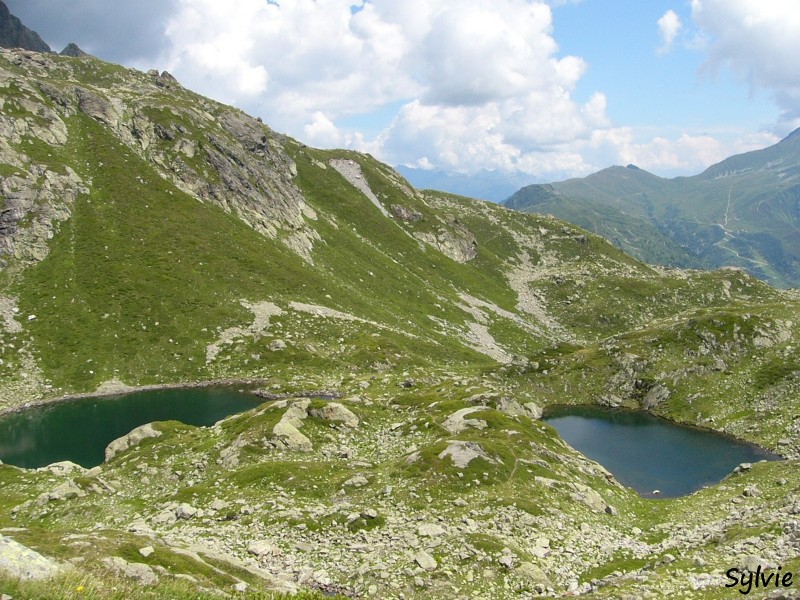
<point>740,212</point>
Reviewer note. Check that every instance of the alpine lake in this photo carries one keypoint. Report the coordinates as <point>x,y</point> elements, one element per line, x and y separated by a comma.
<point>655,457</point>
<point>80,430</point>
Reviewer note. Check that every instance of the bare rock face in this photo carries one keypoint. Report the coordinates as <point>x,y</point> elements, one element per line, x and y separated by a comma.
<point>35,203</point>
<point>655,396</point>
<point>453,240</point>
<point>97,107</point>
<point>212,152</point>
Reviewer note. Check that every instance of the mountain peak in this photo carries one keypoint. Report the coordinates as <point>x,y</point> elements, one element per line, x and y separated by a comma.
<point>13,34</point>
<point>74,51</point>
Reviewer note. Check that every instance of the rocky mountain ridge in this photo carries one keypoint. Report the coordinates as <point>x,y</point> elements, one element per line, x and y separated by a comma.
<point>152,236</point>
<point>13,34</point>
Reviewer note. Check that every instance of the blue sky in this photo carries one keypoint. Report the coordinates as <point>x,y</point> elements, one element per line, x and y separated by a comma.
<point>620,41</point>
<point>539,90</point>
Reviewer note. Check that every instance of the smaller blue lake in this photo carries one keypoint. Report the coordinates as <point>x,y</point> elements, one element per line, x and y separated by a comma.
<point>648,453</point>
<point>80,430</point>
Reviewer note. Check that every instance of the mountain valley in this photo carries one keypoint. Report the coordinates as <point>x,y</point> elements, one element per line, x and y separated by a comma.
<point>405,343</point>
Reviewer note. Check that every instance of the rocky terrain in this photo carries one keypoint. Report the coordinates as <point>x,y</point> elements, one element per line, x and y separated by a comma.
<point>150,236</point>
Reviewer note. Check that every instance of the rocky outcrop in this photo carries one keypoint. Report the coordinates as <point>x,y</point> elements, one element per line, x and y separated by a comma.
<point>131,439</point>
<point>69,490</point>
<point>35,204</point>
<point>456,423</point>
<point>409,215</point>
<point>655,396</point>
<point>13,34</point>
<point>463,453</point>
<point>511,407</point>
<point>227,158</point>
<point>138,572</point>
<point>36,198</point>
<point>286,431</point>
<point>337,413</point>
<point>97,106</point>
<point>452,239</point>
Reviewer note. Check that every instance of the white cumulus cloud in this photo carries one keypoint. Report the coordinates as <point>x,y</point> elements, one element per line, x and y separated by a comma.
<point>686,153</point>
<point>462,86</point>
<point>480,82</point>
<point>758,39</point>
<point>668,27</point>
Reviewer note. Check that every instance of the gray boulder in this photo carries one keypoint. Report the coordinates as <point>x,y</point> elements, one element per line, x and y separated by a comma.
<point>456,423</point>
<point>185,511</point>
<point>261,548</point>
<point>290,437</point>
<point>21,562</point>
<point>287,432</point>
<point>131,439</point>
<point>334,411</point>
<point>66,491</point>
<point>139,572</point>
<point>463,453</point>
<point>425,561</point>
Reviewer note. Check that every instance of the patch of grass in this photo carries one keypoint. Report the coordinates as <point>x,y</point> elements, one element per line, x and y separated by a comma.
<point>622,562</point>
<point>175,563</point>
<point>95,585</point>
<point>774,371</point>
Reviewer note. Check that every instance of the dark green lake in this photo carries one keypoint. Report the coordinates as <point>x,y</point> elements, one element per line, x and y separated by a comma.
<point>648,453</point>
<point>80,430</point>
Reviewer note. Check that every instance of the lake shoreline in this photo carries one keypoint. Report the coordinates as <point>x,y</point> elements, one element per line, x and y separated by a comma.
<point>731,436</point>
<point>116,388</point>
<point>653,455</point>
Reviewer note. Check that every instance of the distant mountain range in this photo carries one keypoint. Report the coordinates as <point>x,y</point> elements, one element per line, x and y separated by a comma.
<point>742,212</point>
<point>486,185</point>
